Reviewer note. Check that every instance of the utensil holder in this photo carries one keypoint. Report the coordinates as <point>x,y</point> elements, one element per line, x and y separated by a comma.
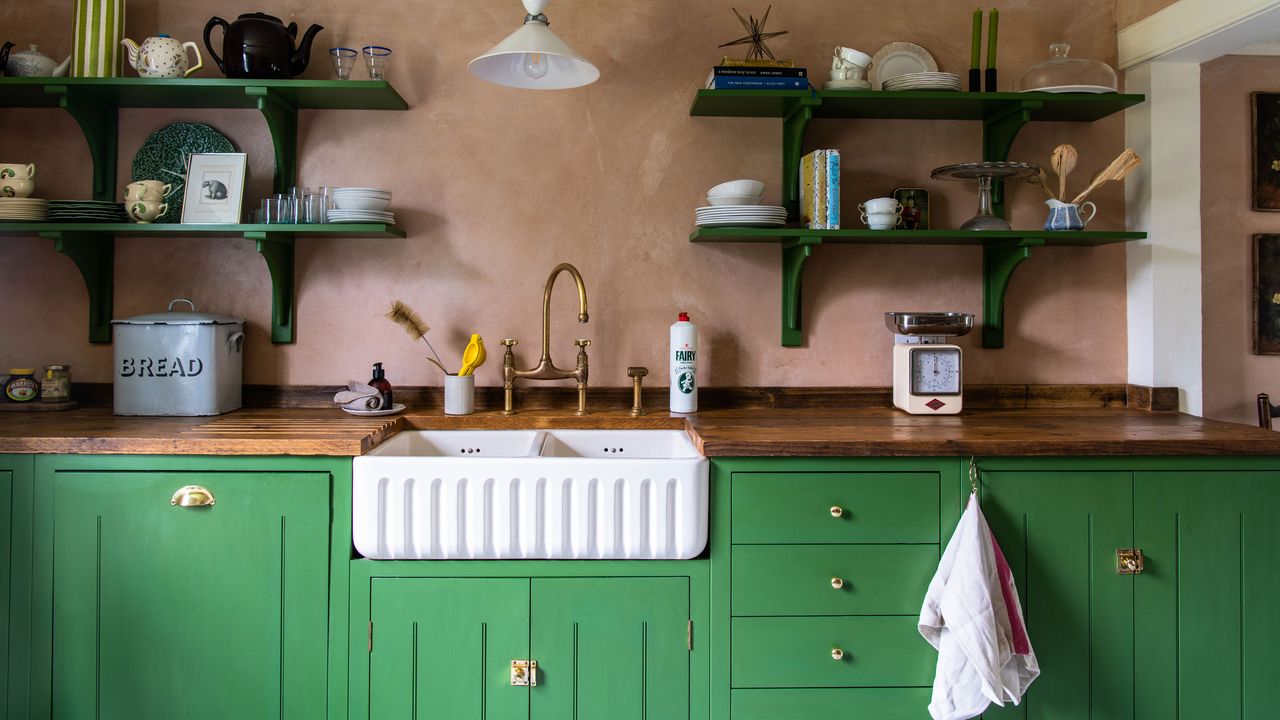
<point>459,394</point>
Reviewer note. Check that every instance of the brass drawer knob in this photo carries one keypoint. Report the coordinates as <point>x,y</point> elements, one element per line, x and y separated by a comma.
<point>837,583</point>
<point>837,511</point>
<point>192,496</point>
<point>837,654</point>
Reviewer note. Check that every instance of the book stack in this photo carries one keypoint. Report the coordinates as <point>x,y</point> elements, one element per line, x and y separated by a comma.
<point>733,74</point>
<point>820,190</point>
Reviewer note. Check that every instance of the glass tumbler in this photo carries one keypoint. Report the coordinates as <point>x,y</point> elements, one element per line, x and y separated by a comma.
<point>284,209</point>
<point>267,214</point>
<point>315,210</point>
<point>376,58</point>
<point>344,59</point>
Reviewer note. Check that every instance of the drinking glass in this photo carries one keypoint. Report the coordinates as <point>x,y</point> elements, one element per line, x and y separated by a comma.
<point>285,208</point>
<point>267,214</point>
<point>344,59</point>
<point>376,58</point>
<point>315,211</point>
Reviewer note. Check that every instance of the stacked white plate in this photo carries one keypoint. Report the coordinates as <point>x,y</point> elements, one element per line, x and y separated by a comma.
<point>923,81</point>
<point>23,209</point>
<point>848,85</point>
<point>741,216</point>
<point>361,198</point>
<point>361,216</point>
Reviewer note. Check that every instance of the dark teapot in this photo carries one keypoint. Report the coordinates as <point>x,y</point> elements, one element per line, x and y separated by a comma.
<point>259,46</point>
<point>4,56</point>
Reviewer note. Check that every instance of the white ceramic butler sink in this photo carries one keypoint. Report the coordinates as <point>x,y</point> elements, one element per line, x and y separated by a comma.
<point>497,494</point>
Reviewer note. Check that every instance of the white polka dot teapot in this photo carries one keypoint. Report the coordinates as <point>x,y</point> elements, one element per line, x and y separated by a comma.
<point>162,57</point>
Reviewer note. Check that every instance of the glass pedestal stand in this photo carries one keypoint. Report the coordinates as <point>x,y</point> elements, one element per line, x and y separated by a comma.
<point>986,173</point>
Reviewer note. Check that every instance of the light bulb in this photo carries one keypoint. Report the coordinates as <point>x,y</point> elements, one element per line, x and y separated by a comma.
<point>535,65</point>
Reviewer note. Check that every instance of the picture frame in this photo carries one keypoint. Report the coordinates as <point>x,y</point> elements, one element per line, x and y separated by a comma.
<point>1266,151</point>
<point>214,191</point>
<point>917,199</point>
<point>1266,294</point>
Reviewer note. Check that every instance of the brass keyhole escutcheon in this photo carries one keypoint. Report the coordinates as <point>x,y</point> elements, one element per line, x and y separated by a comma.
<point>1129,561</point>
<point>524,673</point>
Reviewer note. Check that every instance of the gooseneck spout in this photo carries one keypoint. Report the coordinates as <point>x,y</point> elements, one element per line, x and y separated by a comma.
<point>546,304</point>
<point>302,55</point>
<point>546,369</point>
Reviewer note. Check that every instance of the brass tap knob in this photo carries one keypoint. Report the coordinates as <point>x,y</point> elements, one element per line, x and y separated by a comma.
<point>582,344</point>
<point>508,372</point>
<point>637,375</point>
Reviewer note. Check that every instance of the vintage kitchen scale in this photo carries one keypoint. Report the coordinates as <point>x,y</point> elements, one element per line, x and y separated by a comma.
<point>927,375</point>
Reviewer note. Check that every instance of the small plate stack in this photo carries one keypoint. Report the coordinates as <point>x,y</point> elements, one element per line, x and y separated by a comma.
<point>741,216</point>
<point>86,211</point>
<point>361,205</point>
<point>23,209</point>
<point>923,81</point>
<point>848,85</point>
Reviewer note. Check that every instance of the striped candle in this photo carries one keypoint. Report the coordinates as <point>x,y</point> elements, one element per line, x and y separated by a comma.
<point>99,30</point>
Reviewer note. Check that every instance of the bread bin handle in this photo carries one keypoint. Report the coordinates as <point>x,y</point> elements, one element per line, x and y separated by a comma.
<point>178,300</point>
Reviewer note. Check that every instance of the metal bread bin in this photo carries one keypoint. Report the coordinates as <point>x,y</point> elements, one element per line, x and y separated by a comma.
<point>178,363</point>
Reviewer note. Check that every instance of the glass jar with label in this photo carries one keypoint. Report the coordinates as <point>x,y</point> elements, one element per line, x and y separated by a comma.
<point>55,386</point>
<point>22,386</point>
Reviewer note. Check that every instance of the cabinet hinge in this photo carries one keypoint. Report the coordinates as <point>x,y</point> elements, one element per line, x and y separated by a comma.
<point>688,637</point>
<point>370,636</point>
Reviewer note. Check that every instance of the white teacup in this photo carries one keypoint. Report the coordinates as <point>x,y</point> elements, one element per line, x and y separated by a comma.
<point>144,211</point>
<point>16,188</point>
<point>853,57</point>
<point>881,221</point>
<point>18,171</point>
<point>881,205</point>
<point>147,190</point>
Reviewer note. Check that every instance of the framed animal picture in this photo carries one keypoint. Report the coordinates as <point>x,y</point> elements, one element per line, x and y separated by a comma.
<point>1266,294</point>
<point>214,189</point>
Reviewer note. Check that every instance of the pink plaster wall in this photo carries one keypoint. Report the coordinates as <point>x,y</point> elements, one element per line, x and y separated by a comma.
<point>496,186</point>
<point>1129,12</point>
<point>1233,375</point>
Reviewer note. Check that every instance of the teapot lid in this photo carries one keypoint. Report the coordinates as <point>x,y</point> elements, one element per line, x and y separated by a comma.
<point>164,35</point>
<point>260,16</point>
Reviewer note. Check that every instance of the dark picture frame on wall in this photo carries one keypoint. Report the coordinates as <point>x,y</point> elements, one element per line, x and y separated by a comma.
<point>1266,151</point>
<point>1266,294</point>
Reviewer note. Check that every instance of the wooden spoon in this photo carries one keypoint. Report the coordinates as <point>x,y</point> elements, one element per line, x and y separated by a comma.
<point>1117,170</point>
<point>1041,179</point>
<point>1063,161</point>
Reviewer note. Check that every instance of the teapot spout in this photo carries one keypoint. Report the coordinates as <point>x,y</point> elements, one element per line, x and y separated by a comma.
<point>62,69</point>
<point>302,56</point>
<point>132,48</point>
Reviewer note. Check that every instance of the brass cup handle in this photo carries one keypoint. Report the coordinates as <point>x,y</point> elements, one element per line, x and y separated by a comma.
<point>837,583</point>
<point>837,654</point>
<point>837,511</point>
<point>192,496</point>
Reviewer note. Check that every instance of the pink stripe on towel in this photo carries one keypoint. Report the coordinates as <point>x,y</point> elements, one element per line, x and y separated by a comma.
<point>1021,643</point>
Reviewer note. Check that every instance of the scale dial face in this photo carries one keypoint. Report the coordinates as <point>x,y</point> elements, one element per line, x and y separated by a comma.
<point>935,371</point>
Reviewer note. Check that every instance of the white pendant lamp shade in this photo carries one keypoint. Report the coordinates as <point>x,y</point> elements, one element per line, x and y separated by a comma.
<point>533,58</point>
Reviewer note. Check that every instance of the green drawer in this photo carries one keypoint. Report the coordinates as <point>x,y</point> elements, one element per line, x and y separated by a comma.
<point>843,703</point>
<point>880,507</point>
<point>799,579</point>
<point>796,652</point>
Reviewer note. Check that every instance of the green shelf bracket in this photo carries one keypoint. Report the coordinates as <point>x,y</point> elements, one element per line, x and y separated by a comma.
<point>998,133</point>
<point>794,253</point>
<point>94,255</point>
<point>793,128</point>
<point>277,250</point>
<point>282,121</point>
<point>999,260</point>
<point>100,124</point>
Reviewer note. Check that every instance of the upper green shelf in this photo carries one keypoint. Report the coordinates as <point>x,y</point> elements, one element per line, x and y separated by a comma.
<point>347,230</point>
<point>918,105</point>
<point>1088,238</point>
<point>134,92</point>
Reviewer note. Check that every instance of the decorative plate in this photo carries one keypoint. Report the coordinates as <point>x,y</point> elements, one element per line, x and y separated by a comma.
<point>899,58</point>
<point>164,157</point>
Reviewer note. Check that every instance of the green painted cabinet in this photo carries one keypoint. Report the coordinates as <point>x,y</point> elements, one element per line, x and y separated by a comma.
<point>611,647</point>
<point>15,584</point>
<point>150,609</point>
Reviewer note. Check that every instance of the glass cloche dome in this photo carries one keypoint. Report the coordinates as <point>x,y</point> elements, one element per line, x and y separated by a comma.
<point>1063,74</point>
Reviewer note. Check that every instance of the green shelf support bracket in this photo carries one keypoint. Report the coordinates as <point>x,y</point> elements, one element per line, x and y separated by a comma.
<point>998,133</point>
<point>95,256</point>
<point>282,121</point>
<point>793,128</point>
<point>100,124</point>
<point>999,260</point>
<point>794,253</point>
<point>277,250</point>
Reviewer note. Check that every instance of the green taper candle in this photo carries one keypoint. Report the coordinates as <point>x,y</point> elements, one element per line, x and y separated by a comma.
<point>975,52</point>
<point>992,30</point>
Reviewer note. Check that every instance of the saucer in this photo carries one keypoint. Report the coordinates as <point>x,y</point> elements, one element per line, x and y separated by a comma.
<point>395,408</point>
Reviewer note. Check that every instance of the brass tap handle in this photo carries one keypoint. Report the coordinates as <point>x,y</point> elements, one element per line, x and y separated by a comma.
<point>509,343</point>
<point>637,375</point>
<point>582,343</point>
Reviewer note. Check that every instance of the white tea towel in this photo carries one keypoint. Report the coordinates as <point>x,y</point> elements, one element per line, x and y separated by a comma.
<point>972,617</point>
<point>359,396</point>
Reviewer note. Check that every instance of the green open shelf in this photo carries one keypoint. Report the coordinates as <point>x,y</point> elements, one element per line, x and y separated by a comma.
<point>1002,252</point>
<point>917,105</point>
<point>94,103</point>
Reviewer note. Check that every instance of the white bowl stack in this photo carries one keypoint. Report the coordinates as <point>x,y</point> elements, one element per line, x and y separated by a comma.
<point>361,205</point>
<point>737,204</point>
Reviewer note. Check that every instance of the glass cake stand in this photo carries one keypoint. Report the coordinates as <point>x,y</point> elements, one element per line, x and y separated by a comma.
<point>986,173</point>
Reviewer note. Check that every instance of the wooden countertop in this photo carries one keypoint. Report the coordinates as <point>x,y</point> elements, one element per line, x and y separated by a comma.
<point>719,433</point>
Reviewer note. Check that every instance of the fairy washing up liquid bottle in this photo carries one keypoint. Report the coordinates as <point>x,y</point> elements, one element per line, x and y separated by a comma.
<point>684,365</point>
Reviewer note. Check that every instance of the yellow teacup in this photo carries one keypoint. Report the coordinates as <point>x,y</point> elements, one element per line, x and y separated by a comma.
<point>144,211</point>
<point>16,188</point>
<point>147,191</point>
<point>17,171</point>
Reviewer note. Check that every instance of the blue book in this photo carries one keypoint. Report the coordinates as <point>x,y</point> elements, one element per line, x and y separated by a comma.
<point>758,83</point>
<point>833,189</point>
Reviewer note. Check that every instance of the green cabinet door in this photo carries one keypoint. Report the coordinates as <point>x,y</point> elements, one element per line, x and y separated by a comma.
<point>213,612</point>
<point>1059,532</point>
<point>442,648</point>
<point>6,571</point>
<point>1206,625</point>
<point>611,648</point>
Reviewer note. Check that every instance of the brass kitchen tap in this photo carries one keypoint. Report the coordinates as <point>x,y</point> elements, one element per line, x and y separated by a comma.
<point>545,369</point>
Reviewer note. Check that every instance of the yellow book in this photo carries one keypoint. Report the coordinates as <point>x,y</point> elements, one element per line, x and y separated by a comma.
<point>806,186</point>
<point>740,62</point>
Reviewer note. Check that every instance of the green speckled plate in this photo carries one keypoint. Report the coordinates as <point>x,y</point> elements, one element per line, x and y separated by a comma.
<point>164,157</point>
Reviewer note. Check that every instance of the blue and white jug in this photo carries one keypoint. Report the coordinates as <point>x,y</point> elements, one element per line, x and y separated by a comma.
<point>1066,216</point>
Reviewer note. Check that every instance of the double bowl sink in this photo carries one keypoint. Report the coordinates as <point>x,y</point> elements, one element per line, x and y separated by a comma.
<point>531,494</point>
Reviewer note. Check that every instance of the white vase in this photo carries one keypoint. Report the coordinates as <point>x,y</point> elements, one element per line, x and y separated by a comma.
<point>99,28</point>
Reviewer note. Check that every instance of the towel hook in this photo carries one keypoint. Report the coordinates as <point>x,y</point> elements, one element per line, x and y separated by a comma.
<point>973,476</point>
